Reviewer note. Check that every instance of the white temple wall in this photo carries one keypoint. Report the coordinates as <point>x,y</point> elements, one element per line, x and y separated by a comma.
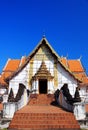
<point>83,94</point>
<point>65,77</point>
<point>36,66</point>
<point>50,67</point>
<point>50,87</point>
<point>35,86</point>
<point>22,77</point>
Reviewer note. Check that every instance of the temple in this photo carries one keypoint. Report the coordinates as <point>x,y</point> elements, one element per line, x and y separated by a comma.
<point>33,80</point>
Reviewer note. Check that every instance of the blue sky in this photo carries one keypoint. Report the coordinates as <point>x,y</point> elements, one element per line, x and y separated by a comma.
<point>64,23</point>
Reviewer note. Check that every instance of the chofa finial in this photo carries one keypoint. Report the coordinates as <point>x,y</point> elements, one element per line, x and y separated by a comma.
<point>43,33</point>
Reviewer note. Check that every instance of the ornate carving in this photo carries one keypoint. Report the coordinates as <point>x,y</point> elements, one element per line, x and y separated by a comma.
<point>30,71</point>
<point>43,73</point>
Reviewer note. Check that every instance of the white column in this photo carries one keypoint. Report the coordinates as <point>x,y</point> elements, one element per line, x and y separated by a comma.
<point>36,85</point>
<point>25,97</point>
<point>33,85</point>
<point>50,87</point>
<point>79,111</point>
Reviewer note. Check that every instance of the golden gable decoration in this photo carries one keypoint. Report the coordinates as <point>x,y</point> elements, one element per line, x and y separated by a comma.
<point>43,73</point>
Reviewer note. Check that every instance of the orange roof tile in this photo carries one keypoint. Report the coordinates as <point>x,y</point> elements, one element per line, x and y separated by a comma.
<point>2,82</point>
<point>86,107</point>
<point>75,66</point>
<point>85,80</point>
<point>1,106</point>
<point>64,60</point>
<point>81,75</point>
<point>10,67</point>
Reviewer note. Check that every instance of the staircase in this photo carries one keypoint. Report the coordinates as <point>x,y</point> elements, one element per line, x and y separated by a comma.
<point>40,115</point>
<point>41,99</point>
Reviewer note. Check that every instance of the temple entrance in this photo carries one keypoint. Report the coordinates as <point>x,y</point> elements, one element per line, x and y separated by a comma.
<point>42,86</point>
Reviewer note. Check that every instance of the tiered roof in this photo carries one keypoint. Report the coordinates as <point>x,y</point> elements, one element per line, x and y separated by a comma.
<point>76,68</point>
<point>13,67</point>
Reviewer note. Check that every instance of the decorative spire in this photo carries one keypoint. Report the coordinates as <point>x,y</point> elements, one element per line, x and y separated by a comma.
<point>43,72</point>
<point>80,57</point>
<point>43,33</point>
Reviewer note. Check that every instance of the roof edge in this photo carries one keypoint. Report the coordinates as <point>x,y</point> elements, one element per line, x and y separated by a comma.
<point>33,52</point>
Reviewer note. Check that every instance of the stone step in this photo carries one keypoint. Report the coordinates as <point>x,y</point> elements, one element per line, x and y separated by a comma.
<point>44,118</point>
<point>45,129</point>
<point>49,118</point>
<point>44,115</point>
<point>45,122</point>
<point>41,99</point>
<point>40,115</point>
<point>45,126</point>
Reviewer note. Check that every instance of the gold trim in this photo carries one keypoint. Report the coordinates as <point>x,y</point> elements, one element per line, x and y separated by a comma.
<point>42,73</point>
<point>55,74</point>
<point>30,72</point>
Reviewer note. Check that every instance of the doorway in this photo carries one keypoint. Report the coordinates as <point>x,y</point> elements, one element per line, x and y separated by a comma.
<point>42,86</point>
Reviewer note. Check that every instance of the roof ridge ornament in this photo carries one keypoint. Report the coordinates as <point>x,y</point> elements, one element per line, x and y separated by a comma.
<point>44,34</point>
<point>80,57</point>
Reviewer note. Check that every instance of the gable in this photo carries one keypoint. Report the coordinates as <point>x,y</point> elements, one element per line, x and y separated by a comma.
<point>43,51</point>
<point>44,48</point>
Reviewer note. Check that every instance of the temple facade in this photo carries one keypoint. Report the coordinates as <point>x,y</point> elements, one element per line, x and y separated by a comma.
<point>43,72</point>
<point>36,82</point>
